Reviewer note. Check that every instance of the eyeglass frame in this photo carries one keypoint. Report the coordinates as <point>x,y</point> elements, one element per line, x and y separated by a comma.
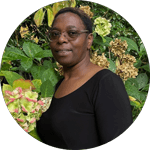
<point>80,32</point>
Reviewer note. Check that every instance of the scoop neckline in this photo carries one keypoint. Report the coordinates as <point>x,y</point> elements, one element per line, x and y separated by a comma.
<point>79,87</point>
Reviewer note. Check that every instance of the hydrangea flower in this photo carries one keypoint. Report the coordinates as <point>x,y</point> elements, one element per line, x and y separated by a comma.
<point>100,60</point>
<point>118,47</point>
<point>24,107</point>
<point>103,26</point>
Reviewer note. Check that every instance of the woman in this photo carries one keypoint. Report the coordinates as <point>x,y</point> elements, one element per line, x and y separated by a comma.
<point>90,106</point>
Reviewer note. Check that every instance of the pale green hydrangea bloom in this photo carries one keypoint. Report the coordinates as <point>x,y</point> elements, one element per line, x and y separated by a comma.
<point>103,26</point>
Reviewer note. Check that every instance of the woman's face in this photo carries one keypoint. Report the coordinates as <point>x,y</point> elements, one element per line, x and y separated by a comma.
<point>70,53</point>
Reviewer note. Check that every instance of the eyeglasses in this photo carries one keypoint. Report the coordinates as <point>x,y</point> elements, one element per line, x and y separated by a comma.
<point>71,34</point>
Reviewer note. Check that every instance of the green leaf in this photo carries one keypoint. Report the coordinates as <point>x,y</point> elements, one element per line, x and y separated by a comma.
<point>134,82</point>
<point>135,103</point>
<point>38,17</point>
<point>50,74</point>
<point>146,88</point>
<point>112,65</point>
<point>131,89</point>
<point>50,16</point>
<point>37,84</point>
<point>98,40</point>
<point>11,76</point>
<point>142,51</point>
<point>47,64</point>
<point>146,67</point>
<point>44,53</point>
<point>142,80</point>
<point>24,84</point>
<point>5,66</point>
<point>131,44</point>
<point>12,53</point>
<point>26,63</point>
<point>31,49</point>
<point>143,96</point>
<point>47,89</point>
<point>37,71</point>
<point>138,63</point>
<point>73,3</point>
<point>34,134</point>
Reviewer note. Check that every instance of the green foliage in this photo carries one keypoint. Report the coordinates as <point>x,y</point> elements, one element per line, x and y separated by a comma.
<point>31,59</point>
<point>11,76</point>
<point>46,89</point>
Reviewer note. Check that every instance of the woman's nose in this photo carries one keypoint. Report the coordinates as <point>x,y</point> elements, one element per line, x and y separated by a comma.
<point>62,38</point>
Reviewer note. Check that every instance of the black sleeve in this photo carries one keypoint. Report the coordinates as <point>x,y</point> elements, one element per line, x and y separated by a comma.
<point>112,108</point>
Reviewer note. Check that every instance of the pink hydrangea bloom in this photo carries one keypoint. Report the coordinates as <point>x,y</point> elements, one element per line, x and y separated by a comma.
<point>41,102</point>
<point>32,120</point>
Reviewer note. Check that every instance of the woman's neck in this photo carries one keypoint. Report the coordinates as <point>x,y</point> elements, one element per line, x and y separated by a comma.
<point>77,71</point>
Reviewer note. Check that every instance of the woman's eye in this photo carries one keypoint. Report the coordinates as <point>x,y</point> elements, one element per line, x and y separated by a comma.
<point>55,33</point>
<point>72,33</point>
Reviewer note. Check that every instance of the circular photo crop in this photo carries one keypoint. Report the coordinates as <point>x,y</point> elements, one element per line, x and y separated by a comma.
<point>75,75</point>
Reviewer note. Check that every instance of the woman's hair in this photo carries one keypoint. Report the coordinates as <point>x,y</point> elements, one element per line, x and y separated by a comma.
<point>83,16</point>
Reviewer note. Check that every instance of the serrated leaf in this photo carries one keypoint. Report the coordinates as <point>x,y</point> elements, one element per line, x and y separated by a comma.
<point>138,63</point>
<point>133,82</point>
<point>11,76</point>
<point>37,84</point>
<point>112,65</point>
<point>146,67</point>
<point>131,44</point>
<point>37,71</point>
<point>132,90</point>
<point>47,89</point>
<point>143,95</point>
<point>142,48</point>
<point>142,80</point>
<point>26,63</point>
<point>50,74</point>
<point>44,53</point>
<point>47,64</point>
<point>31,49</point>
<point>146,88</point>
<point>24,84</point>
<point>38,17</point>
<point>13,53</point>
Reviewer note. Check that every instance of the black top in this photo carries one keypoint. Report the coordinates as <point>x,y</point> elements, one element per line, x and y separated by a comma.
<point>94,114</point>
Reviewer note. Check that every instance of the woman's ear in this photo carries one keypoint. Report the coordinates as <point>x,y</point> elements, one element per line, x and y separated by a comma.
<point>90,40</point>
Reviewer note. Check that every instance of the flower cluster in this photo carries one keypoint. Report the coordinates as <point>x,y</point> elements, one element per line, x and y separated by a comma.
<point>124,62</point>
<point>103,26</point>
<point>87,10</point>
<point>126,70</point>
<point>24,107</point>
<point>118,47</point>
<point>128,58</point>
<point>47,102</point>
<point>100,60</point>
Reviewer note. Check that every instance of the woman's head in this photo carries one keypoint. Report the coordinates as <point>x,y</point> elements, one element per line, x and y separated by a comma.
<point>83,16</point>
<point>70,37</point>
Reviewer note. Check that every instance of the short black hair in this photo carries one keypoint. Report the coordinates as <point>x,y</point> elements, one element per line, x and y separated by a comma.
<point>83,16</point>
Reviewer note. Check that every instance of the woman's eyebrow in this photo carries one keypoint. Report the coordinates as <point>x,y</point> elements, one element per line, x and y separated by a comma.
<point>68,27</point>
<point>71,26</point>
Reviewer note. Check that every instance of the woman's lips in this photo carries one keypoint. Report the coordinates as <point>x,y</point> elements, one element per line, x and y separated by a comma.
<point>63,52</point>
